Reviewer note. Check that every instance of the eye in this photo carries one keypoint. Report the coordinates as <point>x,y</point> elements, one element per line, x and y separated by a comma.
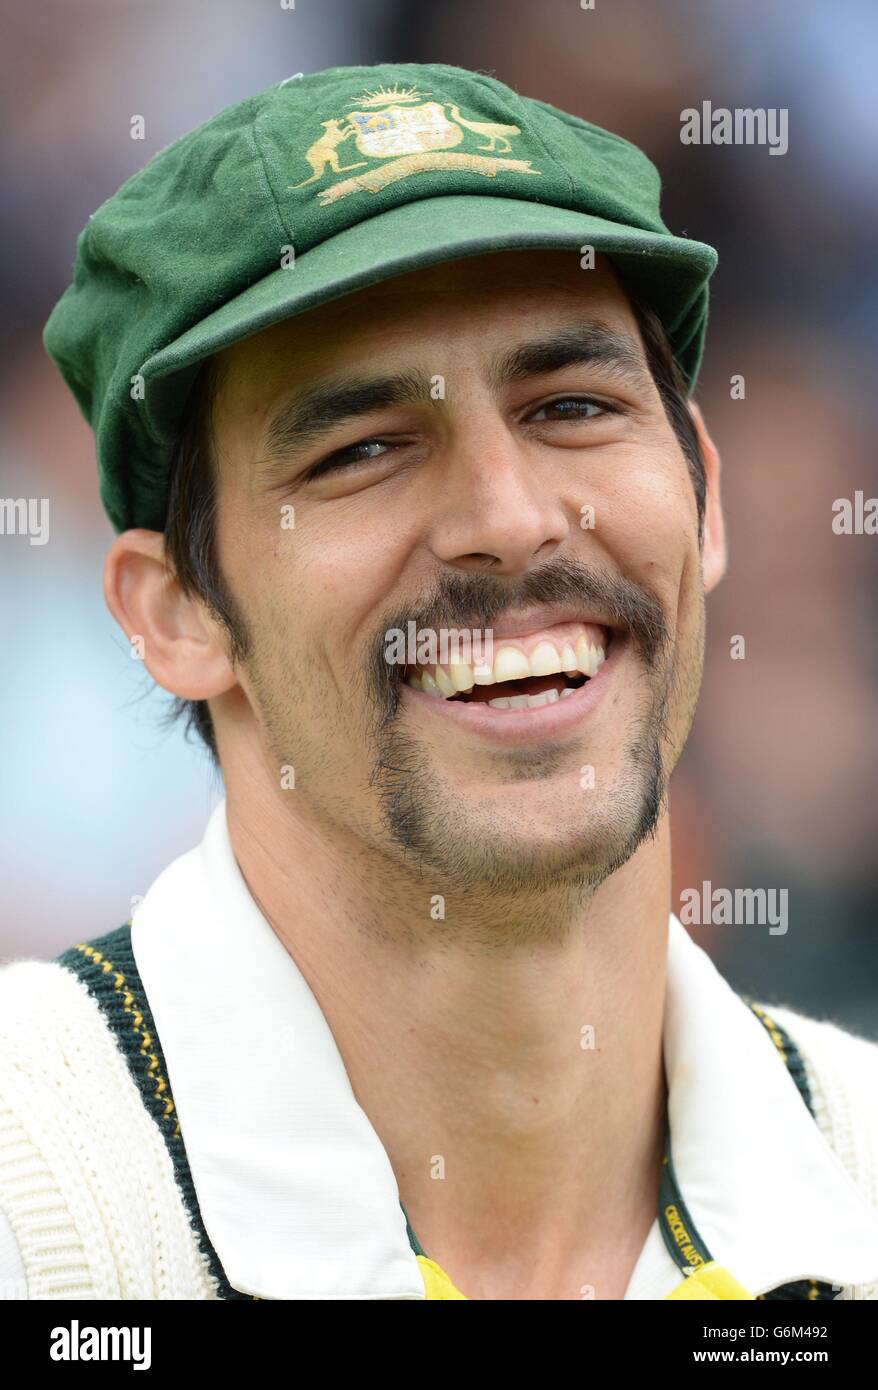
<point>364,451</point>
<point>574,408</point>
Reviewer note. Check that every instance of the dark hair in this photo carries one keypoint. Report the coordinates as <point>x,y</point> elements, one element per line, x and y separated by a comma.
<point>190,531</point>
<point>190,541</point>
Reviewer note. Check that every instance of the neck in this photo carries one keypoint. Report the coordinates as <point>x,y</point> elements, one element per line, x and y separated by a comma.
<point>513,1074</point>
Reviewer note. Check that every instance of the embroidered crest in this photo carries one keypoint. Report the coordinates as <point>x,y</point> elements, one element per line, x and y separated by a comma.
<point>404,130</point>
<point>414,135</point>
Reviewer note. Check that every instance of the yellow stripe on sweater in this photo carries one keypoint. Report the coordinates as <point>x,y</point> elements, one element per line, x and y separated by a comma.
<point>129,1004</point>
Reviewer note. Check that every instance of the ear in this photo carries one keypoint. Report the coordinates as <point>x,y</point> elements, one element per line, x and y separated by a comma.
<point>713,554</point>
<point>171,632</point>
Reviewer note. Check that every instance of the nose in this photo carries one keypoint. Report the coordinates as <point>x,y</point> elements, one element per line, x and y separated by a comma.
<point>500,511</point>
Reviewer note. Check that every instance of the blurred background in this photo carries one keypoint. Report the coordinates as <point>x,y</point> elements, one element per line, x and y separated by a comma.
<point>777,787</point>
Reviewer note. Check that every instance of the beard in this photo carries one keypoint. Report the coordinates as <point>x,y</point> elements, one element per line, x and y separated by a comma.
<point>437,829</point>
<point>487,852</point>
<point>426,823</point>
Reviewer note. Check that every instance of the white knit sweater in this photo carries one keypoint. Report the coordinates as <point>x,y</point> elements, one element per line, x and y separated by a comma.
<point>87,1185</point>
<point>86,1180</point>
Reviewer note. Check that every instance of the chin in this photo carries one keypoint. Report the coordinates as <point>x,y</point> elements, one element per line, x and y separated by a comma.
<point>530,853</point>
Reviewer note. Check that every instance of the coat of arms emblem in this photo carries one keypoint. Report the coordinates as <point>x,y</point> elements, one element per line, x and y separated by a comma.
<point>414,135</point>
<point>404,130</point>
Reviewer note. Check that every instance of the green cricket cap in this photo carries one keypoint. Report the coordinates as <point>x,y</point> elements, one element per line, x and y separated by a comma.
<point>315,188</point>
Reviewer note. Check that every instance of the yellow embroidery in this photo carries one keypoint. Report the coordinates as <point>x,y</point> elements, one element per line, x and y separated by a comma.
<point>323,152</point>
<point>489,130</point>
<point>681,1236</point>
<point>375,179</point>
<point>415,135</point>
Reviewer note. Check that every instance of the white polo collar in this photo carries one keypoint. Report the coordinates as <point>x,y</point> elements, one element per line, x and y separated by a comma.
<point>296,1191</point>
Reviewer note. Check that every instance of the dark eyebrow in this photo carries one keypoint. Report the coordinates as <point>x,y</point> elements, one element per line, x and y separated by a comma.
<point>310,414</point>
<point>594,343</point>
<point>313,413</point>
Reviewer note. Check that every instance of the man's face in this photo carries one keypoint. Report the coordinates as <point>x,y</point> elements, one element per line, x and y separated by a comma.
<point>478,446</point>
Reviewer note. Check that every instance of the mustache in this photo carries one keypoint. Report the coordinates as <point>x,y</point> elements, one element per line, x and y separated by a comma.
<point>464,600</point>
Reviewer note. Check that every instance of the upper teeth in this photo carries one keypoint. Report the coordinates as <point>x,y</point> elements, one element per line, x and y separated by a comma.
<point>510,664</point>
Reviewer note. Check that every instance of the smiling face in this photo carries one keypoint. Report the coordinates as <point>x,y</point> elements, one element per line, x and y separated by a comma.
<point>476,447</point>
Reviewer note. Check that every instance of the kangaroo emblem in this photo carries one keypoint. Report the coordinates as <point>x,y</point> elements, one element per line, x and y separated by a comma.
<point>324,151</point>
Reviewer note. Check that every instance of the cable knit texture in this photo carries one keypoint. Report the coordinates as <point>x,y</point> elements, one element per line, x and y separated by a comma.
<point>86,1180</point>
<point>93,1177</point>
<point>842,1072</point>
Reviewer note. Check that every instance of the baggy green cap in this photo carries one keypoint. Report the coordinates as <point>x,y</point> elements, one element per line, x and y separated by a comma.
<point>317,187</point>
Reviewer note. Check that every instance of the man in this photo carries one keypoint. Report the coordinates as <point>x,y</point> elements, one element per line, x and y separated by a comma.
<point>415,1019</point>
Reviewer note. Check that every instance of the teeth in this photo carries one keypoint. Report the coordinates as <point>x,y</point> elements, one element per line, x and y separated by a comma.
<point>568,691</point>
<point>544,660</point>
<point>429,686</point>
<point>568,660</point>
<point>445,683</point>
<point>588,658</point>
<point>510,665</point>
<point>548,697</point>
